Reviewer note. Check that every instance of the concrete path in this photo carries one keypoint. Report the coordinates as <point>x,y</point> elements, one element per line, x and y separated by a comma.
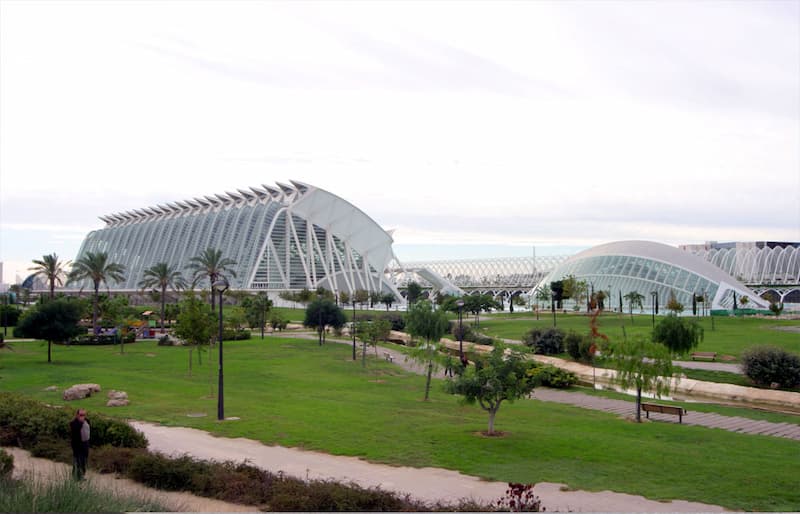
<point>704,419</point>
<point>627,408</point>
<point>428,484</point>
<point>710,366</point>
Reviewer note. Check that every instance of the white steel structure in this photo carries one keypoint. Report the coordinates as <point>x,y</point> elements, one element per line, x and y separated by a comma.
<point>488,274</point>
<point>286,237</point>
<point>654,268</point>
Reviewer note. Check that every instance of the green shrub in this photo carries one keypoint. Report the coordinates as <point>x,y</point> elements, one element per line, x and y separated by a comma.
<point>113,459</point>
<point>103,339</point>
<point>9,315</point>
<point>51,448</point>
<point>768,365</point>
<point>6,464</point>
<point>23,422</point>
<point>161,472</point>
<point>235,335</point>
<point>396,319</point>
<point>544,342</point>
<point>552,376</point>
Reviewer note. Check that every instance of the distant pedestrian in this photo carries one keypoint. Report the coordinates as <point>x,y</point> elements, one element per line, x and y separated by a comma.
<point>79,439</point>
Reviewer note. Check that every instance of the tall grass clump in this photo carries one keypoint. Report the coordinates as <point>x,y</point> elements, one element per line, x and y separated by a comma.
<point>63,494</point>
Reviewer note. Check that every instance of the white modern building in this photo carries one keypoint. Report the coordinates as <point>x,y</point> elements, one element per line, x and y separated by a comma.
<point>286,237</point>
<point>654,269</point>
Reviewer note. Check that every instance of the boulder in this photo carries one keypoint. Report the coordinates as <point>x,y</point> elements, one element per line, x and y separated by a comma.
<point>117,395</point>
<point>117,403</point>
<point>79,391</point>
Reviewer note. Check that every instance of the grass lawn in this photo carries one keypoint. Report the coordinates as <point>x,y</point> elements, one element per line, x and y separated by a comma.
<point>295,393</point>
<point>730,336</point>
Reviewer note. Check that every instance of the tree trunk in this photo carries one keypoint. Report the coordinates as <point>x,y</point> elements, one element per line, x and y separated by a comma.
<point>48,351</point>
<point>190,361</point>
<point>94,308</point>
<point>364,354</point>
<point>638,404</point>
<point>52,289</point>
<point>492,413</point>
<point>428,380</point>
<point>163,306</point>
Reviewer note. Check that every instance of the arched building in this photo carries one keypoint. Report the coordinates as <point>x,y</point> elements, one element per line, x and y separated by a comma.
<point>653,268</point>
<point>286,237</point>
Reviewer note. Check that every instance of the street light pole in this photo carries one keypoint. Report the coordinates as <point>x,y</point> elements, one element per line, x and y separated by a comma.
<point>654,296</point>
<point>460,304</point>
<point>353,327</point>
<point>220,286</point>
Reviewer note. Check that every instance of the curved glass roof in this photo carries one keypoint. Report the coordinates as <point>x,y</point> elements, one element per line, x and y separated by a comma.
<point>647,267</point>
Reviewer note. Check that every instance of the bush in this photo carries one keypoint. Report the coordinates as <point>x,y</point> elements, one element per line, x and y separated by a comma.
<point>767,365</point>
<point>396,319</point>
<point>9,315</point>
<point>544,342</point>
<point>103,339</point>
<point>235,335</point>
<point>552,376</point>
<point>680,335</point>
<point>156,470</point>
<point>24,422</point>
<point>52,448</point>
<point>6,464</point>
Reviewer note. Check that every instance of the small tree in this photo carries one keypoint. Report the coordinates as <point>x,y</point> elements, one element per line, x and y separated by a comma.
<point>96,268</point>
<point>370,332</point>
<point>500,376</point>
<point>196,324</point>
<point>430,326</point>
<point>53,321</point>
<point>256,309</point>
<point>387,299</point>
<point>321,313</point>
<point>277,322</point>
<point>477,303</point>
<point>52,270</point>
<point>680,335</point>
<point>361,296</point>
<point>743,301</point>
<point>673,305</point>
<point>776,308</point>
<point>162,276</point>
<point>644,366</point>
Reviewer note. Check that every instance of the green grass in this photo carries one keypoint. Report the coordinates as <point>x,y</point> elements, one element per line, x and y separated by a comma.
<point>730,336</point>
<point>67,495</point>
<point>294,393</point>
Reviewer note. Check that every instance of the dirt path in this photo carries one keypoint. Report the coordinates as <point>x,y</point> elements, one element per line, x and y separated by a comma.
<point>429,484</point>
<point>47,470</point>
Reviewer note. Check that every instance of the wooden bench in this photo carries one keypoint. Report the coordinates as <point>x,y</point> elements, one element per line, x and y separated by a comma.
<point>388,356</point>
<point>704,355</point>
<point>664,409</point>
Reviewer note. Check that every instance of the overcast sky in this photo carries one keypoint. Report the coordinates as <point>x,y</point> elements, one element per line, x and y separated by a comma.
<point>473,129</point>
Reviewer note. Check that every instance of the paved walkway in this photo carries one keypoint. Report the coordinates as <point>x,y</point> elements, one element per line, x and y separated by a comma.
<point>627,408</point>
<point>704,419</point>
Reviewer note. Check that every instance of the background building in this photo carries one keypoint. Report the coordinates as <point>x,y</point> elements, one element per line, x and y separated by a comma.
<point>281,238</point>
<point>654,269</point>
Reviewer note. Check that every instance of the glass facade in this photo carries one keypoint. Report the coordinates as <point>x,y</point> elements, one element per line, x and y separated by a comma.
<point>652,269</point>
<point>286,238</point>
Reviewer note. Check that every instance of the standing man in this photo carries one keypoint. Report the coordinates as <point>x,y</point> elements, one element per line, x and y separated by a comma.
<point>79,439</point>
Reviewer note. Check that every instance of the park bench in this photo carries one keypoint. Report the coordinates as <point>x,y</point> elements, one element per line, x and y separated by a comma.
<point>664,409</point>
<point>704,355</point>
<point>388,356</point>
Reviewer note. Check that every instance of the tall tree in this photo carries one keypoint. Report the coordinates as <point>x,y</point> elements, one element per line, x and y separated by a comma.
<point>162,276</point>
<point>413,292</point>
<point>97,268</point>
<point>212,265</point>
<point>51,269</point>
<point>53,321</point>
<point>256,309</point>
<point>321,313</point>
<point>429,325</point>
<point>643,366</point>
<point>500,376</point>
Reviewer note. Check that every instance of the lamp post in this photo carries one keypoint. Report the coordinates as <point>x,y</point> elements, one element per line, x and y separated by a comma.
<point>654,296</point>
<point>353,327</point>
<point>220,286</point>
<point>460,304</point>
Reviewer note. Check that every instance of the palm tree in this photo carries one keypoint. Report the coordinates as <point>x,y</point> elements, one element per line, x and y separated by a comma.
<point>162,275</point>
<point>210,263</point>
<point>95,267</point>
<point>634,298</point>
<point>51,269</point>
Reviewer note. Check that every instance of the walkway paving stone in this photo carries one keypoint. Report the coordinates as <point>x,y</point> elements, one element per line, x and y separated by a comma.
<point>705,419</point>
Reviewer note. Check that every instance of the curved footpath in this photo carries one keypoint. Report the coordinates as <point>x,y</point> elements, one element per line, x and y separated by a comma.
<point>430,484</point>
